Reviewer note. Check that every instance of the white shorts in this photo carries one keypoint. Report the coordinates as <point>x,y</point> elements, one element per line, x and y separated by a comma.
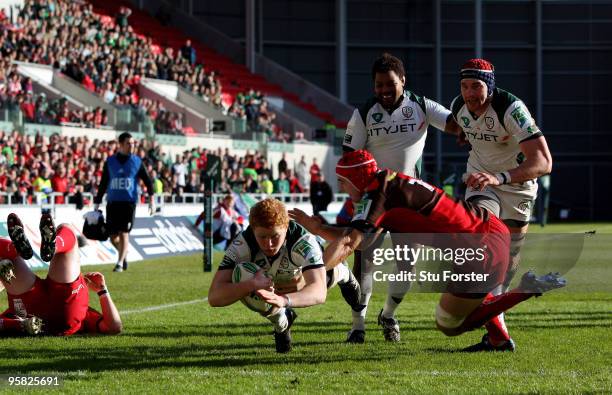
<point>515,200</point>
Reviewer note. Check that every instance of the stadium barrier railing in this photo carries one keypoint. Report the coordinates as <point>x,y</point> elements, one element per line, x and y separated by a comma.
<point>48,200</point>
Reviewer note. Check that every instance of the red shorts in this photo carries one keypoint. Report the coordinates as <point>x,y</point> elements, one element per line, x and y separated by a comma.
<point>62,307</point>
<point>475,231</point>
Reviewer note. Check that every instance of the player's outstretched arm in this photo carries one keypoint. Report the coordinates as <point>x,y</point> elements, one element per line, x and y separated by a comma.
<point>342,247</point>
<point>111,320</point>
<point>315,226</point>
<point>313,293</point>
<point>223,291</point>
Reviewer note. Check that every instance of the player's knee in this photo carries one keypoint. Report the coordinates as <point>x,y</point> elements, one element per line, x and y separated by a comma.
<point>448,323</point>
<point>516,243</point>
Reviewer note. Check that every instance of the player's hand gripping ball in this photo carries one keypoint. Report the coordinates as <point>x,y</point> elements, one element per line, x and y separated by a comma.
<point>246,272</point>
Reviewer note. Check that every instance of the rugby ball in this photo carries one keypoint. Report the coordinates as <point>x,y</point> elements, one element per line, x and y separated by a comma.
<point>244,272</point>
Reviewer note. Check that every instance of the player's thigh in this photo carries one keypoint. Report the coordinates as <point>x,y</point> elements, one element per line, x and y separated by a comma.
<point>486,199</point>
<point>65,267</point>
<point>517,202</point>
<point>453,310</point>
<point>24,278</point>
<point>460,305</point>
<point>120,217</point>
<point>33,301</point>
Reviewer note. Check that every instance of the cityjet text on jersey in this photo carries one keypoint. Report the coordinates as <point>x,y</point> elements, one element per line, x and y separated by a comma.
<point>480,136</point>
<point>403,128</point>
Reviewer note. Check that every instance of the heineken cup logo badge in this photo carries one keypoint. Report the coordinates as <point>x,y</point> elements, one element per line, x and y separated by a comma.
<point>377,116</point>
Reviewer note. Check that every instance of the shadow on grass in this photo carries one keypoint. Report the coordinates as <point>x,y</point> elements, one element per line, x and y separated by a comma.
<point>260,328</point>
<point>87,357</point>
<point>562,313</point>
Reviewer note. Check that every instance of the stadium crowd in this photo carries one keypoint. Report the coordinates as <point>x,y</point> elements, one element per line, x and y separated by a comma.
<point>73,166</point>
<point>17,94</point>
<point>109,59</point>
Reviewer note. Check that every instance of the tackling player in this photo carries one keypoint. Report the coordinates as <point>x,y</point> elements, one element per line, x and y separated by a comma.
<point>399,203</point>
<point>508,154</point>
<point>59,304</point>
<point>392,126</point>
<point>292,271</point>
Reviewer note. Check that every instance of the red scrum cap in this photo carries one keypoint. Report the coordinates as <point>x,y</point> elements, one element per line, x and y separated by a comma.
<point>358,168</point>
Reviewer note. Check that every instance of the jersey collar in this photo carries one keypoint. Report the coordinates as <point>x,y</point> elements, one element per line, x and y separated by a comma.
<point>395,106</point>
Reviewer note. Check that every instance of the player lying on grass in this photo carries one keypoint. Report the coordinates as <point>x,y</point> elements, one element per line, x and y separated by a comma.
<point>292,272</point>
<point>398,203</point>
<point>59,304</point>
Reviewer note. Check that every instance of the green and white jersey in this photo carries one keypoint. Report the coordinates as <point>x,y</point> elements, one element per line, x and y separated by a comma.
<point>299,253</point>
<point>495,135</point>
<point>397,139</point>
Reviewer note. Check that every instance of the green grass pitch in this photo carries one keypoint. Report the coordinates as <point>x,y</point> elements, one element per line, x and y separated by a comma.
<point>564,344</point>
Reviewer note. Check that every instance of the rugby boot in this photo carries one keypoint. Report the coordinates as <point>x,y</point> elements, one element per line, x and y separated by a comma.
<point>356,336</point>
<point>282,340</point>
<point>537,285</point>
<point>485,345</point>
<point>47,237</point>
<point>391,330</point>
<point>6,270</point>
<point>17,234</point>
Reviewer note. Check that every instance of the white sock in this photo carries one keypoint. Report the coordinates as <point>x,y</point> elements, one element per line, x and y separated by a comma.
<point>343,273</point>
<point>389,307</point>
<point>366,293</point>
<point>395,293</point>
<point>360,316</point>
<point>279,320</point>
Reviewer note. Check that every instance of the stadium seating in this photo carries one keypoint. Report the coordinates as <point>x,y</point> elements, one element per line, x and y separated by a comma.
<point>234,77</point>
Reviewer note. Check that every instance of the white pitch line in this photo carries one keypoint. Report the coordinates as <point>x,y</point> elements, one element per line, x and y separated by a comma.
<point>162,306</point>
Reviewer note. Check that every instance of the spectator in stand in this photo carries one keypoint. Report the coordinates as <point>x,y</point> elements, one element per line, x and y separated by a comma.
<point>266,186</point>
<point>188,53</point>
<point>236,183</point>
<point>294,183</point>
<point>158,185</point>
<point>282,164</point>
<point>250,185</point>
<point>28,108</point>
<point>59,182</point>
<point>301,172</point>
<point>42,184</point>
<point>264,168</point>
<point>321,194</point>
<point>121,19</point>
<point>192,185</point>
<point>180,170</point>
<point>315,171</point>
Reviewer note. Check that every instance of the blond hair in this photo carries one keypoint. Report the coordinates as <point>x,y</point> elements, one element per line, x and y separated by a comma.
<point>269,213</point>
